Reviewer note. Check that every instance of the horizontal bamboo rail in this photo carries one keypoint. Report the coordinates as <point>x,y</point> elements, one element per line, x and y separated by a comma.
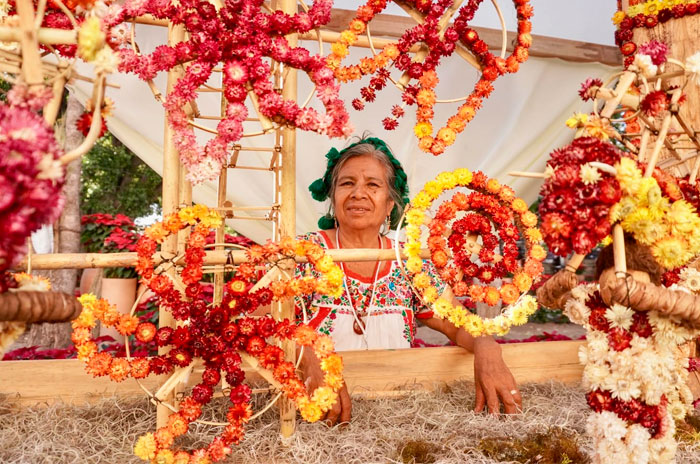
<point>99,260</point>
<point>375,373</point>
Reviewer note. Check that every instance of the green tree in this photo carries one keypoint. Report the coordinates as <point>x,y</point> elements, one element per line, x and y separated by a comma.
<point>115,180</point>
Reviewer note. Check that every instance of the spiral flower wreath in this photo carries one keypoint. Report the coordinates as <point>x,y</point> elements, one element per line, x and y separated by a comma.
<point>489,202</point>
<point>218,334</point>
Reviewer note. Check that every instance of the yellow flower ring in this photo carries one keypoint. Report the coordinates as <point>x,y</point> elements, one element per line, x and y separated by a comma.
<point>520,222</point>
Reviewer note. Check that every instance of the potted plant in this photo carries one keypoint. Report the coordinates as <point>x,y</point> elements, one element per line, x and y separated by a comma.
<point>104,233</point>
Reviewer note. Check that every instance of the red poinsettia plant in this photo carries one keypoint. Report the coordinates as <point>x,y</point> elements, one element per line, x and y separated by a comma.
<point>106,233</point>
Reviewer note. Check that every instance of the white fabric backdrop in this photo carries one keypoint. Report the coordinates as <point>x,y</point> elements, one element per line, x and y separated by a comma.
<point>517,127</point>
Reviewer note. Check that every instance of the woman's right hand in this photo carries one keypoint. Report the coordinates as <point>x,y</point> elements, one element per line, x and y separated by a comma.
<point>341,411</point>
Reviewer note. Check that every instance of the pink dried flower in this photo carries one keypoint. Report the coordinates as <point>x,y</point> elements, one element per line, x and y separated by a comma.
<point>656,50</point>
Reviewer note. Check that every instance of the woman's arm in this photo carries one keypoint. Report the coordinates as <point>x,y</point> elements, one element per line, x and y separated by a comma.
<point>492,378</point>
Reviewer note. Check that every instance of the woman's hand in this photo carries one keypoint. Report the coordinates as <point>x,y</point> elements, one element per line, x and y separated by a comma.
<point>493,379</point>
<point>341,411</point>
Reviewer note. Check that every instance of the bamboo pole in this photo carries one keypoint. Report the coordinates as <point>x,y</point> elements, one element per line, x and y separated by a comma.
<point>661,138</point>
<point>288,210</point>
<point>619,249</point>
<point>44,35</point>
<point>212,257</point>
<point>624,83</point>
<point>574,262</point>
<point>31,58</point>
<point>171,183</point>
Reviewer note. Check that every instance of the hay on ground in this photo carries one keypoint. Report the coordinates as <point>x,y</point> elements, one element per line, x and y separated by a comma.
<point>436,427</point>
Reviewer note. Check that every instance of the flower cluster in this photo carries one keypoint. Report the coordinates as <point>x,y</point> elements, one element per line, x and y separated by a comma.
<point>221,340</point>
<point>591,125</point>
<point>647,14</point>
<point>667,226</point>
<point>634,378</point>
<point>439,44</point>
<point>490,202</point>
<point>85,120</point>
<point>239,35</point>
<point>31,177</point>
<point>239,298</point>
<point>577,196</point>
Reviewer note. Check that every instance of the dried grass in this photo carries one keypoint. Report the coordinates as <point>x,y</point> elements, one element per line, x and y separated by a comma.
<point>423,427</point>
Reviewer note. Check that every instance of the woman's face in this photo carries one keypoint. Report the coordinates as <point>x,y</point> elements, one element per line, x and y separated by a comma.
<point>362,200</point>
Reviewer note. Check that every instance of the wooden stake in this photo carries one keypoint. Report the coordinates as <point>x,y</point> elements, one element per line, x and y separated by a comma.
<point>574,262</point>
<point>31,58</point>
<point>619,249</point>
<point>624,83</point>
<point>288,210</point>
<point>171,183</point>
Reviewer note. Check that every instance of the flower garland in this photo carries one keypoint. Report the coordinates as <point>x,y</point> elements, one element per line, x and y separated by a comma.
<point>634,381</point>
<point>577,196</point>
<point>490,200</point>
<point>668,227</point>
<point>439,46</point>
<point>249,35</point>
<point>647,14</point>
<point>218,347</point>
<point>32,177</point>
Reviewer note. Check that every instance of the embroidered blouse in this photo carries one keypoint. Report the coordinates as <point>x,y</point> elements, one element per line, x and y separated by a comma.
<point>389,322</point>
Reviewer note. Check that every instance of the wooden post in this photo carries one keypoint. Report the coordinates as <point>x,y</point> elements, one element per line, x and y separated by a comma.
<point>171,197</point>
<point>288,209</point>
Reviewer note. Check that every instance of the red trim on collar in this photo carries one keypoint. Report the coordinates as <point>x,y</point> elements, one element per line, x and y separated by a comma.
<point>383,271</point>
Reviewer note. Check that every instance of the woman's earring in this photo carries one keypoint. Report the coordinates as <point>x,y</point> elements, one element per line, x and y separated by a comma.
<point>386,227</point>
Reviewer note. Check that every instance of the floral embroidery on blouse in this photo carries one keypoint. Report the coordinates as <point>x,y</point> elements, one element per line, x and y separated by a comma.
<point>393,295</point>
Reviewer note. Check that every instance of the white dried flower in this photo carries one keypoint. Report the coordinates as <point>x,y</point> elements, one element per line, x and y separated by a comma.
<point>645,65</point>
<point>692,67</point>
<point>589,174</point>
<point>619,316</point>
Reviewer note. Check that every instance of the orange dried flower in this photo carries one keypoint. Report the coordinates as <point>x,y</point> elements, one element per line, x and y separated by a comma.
<point>119,369</point>
<point>509,293</point>
<point>522,281</point>
<point>492,296</point>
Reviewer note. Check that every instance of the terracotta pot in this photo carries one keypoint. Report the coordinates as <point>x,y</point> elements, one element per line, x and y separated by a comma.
<point>87,278</point>
<point>122,293</point>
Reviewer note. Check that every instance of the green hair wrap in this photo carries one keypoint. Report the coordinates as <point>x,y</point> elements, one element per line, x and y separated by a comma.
<point>320,188</point>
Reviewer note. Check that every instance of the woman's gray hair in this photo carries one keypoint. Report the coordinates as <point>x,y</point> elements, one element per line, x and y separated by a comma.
<point>367,149</point>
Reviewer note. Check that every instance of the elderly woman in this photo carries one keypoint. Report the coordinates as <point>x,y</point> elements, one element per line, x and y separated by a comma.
<point>368,191</point>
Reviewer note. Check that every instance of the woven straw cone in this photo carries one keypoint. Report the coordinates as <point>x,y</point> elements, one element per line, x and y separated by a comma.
<point>36,306</point>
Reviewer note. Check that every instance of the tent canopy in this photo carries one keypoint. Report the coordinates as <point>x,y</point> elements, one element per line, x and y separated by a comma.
<point>518,126</point>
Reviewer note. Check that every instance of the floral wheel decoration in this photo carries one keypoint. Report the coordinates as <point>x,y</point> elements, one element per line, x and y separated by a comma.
<point>490,202</point>
<point>31,176</point>
<point>577,196</point>
<point>219,355</point>
<point>636,385</point>
<point>220,334</point>
<point>440,43</point>
<point>250,36</point>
